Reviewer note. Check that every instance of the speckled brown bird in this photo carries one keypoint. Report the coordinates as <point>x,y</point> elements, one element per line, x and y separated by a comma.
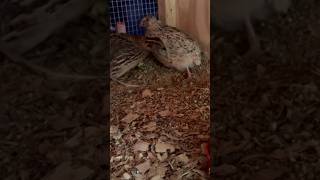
<point>173,48</point>
<point>232,14</point>
<point>125,55</point>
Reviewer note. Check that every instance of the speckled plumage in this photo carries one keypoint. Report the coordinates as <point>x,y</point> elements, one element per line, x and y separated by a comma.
<point>177,49</point>
<point>125,55</point>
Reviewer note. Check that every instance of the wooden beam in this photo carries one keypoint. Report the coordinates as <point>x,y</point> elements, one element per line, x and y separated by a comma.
<point>170,12</point>
<point>190,16</point>
<point>193,17</point>
<point>162,11</point>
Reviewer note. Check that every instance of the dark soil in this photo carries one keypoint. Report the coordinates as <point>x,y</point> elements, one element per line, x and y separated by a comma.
<point>54,129</point>
<point>266,109</point>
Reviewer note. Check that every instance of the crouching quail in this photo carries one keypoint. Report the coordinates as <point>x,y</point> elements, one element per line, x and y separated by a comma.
<point>170,46</point>
<point>125,55</point>
<point>232,14</point>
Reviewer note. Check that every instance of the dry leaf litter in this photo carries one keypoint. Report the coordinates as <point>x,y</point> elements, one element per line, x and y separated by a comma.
<point>158,128</point>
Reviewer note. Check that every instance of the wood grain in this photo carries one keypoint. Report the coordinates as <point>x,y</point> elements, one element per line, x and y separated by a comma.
<point>191,16</point>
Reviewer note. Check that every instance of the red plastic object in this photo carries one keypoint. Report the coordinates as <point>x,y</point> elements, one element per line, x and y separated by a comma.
<point>207,154</point>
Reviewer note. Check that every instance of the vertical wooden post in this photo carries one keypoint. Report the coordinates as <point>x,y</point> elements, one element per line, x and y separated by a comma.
<point>170,11</point>
<point>167,12</point>
<point>190,16</point>
<point>162,11</point>
<point>193,17</point>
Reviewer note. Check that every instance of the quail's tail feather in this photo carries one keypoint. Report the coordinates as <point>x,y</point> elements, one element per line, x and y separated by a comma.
<point>125,55</point>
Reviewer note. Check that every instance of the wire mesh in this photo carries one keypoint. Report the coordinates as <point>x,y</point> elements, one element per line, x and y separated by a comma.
<point>131,12</point>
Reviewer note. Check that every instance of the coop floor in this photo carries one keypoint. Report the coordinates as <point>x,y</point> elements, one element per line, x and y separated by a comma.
<point>167,112</point>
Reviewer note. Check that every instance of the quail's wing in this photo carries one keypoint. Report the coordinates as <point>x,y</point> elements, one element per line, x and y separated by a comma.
<point>123,62</point>
<point>154,43</point>
<point>178,42</point>
<point>124,55</point>
<point>159,50</point>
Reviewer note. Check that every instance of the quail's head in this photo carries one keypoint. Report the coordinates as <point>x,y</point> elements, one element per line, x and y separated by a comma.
<point>150,22</point>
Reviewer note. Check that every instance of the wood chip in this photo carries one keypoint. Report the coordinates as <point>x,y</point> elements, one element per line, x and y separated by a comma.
<point>140,156</point>
<point>162,157</point>
<point>151,156</point>
<point>165,113</point>
<point>144,167</point>
<point>139,177</point>
<point>201,173</point>
<point>146,93</point>
<point>113,129</point>
<point>157,177</point>
<point>126,176</point>
<point>129,118</point>
<point>116,159</point>
<point>151,126</point>
<point>141,146</point>
<point>161,170</point>
<point>202,137</point>
<point>182,158</point>
<point>163,147</point>
<point>151,136</point>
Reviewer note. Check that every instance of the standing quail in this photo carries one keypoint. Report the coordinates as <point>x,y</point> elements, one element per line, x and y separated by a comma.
<point>174,49</point>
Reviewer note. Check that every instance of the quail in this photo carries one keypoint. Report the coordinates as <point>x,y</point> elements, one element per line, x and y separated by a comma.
<point>170,46</point>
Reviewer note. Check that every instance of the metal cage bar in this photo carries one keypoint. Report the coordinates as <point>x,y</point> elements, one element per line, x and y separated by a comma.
<point>131,12</point>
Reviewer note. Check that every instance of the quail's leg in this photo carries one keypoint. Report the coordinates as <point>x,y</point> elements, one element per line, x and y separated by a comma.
<point>253,39</point>
<point>189,73</point>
